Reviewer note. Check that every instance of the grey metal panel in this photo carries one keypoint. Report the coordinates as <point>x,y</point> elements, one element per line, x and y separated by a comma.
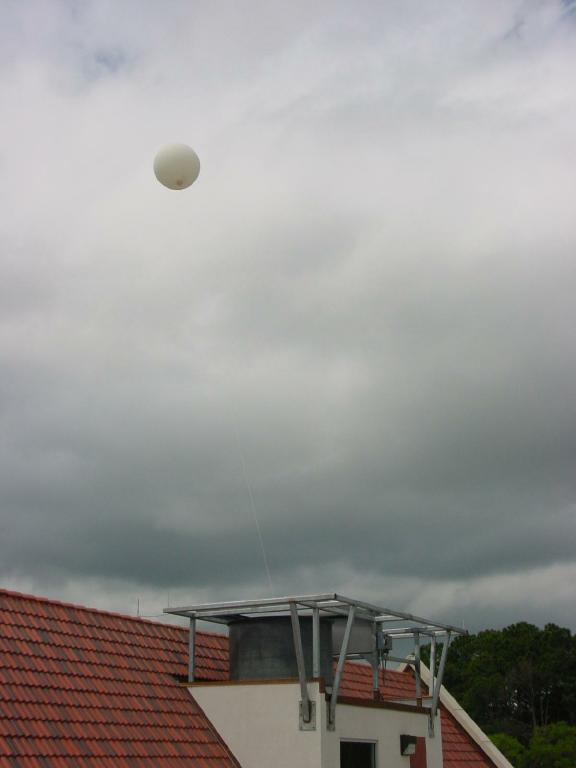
<point>263,648</point>
<point>361,637</point>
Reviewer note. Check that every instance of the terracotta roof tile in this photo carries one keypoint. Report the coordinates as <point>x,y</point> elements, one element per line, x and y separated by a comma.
<point>81,688</point>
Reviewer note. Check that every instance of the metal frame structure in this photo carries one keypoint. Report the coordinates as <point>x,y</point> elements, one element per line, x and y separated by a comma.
<point>383,621</point>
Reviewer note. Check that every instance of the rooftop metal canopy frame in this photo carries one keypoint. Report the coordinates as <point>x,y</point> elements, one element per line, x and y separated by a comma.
<point>383,621</point>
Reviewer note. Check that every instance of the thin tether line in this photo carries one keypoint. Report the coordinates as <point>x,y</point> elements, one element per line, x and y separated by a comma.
<point>255,516</point>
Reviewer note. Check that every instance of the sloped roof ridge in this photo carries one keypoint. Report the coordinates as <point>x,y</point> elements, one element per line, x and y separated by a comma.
<point>99,611</point>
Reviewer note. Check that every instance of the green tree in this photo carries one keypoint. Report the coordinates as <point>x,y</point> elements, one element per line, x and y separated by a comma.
<point>552,746</point>
<point>510,747</point>
<point>515,679</point>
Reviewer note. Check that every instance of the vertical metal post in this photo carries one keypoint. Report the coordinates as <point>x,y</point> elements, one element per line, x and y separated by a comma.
<point>315,642</point>
<point>191,648</point>
<point>417,665</point>
<point>375,664</point>
<point>375,676</point>
<point>306,709</point>
<point>340,666</point>
<point>438,686</point>
<point>432,665</point>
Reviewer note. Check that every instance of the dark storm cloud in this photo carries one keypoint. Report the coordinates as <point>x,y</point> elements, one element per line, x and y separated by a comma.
<point>362,313</point>
<point>156,556</point>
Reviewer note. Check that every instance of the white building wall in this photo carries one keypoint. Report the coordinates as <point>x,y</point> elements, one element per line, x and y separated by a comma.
<point>260,724</point>
<point>383,726</point>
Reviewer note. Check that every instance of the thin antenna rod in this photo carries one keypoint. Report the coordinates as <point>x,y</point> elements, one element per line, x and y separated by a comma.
<point>255,516</point>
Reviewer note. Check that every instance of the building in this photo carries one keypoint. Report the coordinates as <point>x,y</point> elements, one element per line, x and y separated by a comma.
<point>85,688</point>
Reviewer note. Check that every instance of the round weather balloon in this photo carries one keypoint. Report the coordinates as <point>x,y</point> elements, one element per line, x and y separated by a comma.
<point>176,166</point>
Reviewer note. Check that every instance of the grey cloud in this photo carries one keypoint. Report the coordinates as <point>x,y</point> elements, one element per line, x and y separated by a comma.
<point>366,299</point>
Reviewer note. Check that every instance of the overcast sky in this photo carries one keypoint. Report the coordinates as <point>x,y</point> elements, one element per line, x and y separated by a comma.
<point>362,314</point>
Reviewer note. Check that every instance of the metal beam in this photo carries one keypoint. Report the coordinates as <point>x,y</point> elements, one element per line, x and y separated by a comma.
<point>438,686</point>
<point>207,615</point>
<point>361,604</point>
<point>237,605</point>
<point>432,666</point>
<point>316,642</point>
<point>306,708</point>
<point>340,667</point>
<point>412,630</point>
<point>420,620</point>
<point>329,602</point>
<point>375,669</point>
<point>397,659</point>
<point>332,610</point>
<point>417,665</point>
<point>408,635</point>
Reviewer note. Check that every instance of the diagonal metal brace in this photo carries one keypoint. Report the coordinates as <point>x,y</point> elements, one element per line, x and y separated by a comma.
<point>306,705</point>
<point>438,685</point>
<point>340,668</point>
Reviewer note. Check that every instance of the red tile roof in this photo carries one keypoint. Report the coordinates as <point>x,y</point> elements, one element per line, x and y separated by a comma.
<point>357,683</point>
<point>459,749</point>
<point>85,688</point>
<point>81,688</point>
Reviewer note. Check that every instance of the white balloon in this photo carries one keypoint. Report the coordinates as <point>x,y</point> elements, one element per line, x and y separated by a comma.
<point>176,166</point>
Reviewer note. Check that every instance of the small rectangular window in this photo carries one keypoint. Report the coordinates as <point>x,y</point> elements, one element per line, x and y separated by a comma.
<point>357,754</point>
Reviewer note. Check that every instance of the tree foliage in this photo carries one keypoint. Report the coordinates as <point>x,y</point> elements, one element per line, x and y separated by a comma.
<point>552,746</point>
<point>515,681</point>
<point>510,747</point>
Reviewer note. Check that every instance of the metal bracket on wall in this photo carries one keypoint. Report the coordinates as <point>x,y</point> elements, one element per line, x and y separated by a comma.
<point>330,724</point>
<point>431,732</point>
<point>306,717</point>
<point>307,710</point>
